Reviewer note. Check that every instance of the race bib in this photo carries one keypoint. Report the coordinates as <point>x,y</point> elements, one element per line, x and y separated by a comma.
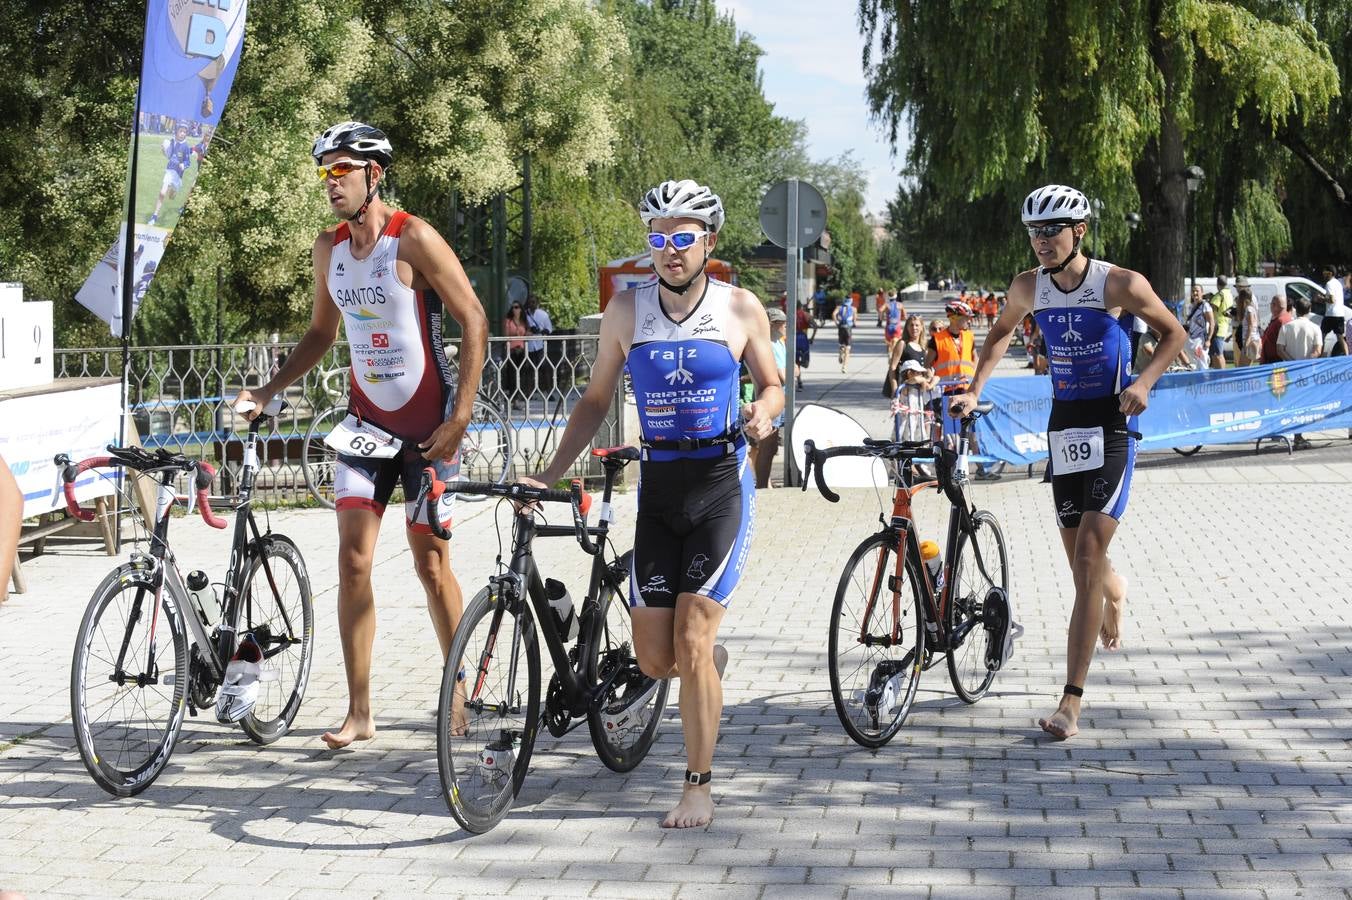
<point>354,437</point>
<point>1076,450</point>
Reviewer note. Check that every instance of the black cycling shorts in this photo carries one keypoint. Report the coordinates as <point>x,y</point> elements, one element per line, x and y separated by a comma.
<point>844,334</point>
<point>693,529</point>
<point>1104,489</point>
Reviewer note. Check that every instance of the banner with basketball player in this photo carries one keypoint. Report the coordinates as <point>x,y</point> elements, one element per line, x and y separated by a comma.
<point>1226,406</point>
<point>192,49</point>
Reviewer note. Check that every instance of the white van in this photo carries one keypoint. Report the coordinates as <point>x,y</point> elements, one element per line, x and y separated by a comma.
<point>1266,287</point>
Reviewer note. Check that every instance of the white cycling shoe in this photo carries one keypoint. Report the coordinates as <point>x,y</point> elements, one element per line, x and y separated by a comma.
<point>998,614</point>
<point>239,691</point>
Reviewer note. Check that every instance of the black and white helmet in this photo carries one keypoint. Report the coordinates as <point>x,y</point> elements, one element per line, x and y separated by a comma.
<point>366,140</point>
<point>680,200</point>
<point>1055,203</point>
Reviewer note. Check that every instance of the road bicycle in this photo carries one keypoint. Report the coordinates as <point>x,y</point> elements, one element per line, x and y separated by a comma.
<point>151,646</point>
<point>485,451</point>
<point>489,711</point>
<point>899,607</point>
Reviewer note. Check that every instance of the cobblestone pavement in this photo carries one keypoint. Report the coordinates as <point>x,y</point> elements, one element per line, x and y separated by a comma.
<point>1213,761</point>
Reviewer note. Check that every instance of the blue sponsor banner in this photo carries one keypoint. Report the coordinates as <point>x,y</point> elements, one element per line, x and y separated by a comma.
<point>192,50</point>
<point>1230,406</point>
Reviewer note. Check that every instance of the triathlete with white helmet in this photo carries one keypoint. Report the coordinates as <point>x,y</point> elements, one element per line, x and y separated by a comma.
<point>386,276</point>
<point>1092,429</point>
<point>682,339</point>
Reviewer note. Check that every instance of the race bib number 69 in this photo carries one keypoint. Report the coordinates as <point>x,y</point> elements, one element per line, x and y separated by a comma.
<point>1076,450</point>
<point>353,437</point>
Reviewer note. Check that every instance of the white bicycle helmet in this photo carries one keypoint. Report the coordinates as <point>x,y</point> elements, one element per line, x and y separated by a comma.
<point>1055,203</point>
<point>358,137</point>
<point>682,199</point>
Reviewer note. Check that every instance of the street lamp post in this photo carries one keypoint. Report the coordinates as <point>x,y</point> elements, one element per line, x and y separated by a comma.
<point>1194,177</point>
<point>1133,220</point>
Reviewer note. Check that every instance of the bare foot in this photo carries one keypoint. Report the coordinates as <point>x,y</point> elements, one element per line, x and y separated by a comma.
<point>1114,605</point>
<point>1062,723</point>
<point>695,810</point>
<point>353,730</point>
<point>720,659</point>
<point>459,724</point>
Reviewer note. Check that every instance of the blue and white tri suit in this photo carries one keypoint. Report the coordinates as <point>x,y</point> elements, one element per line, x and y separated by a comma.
<point>1092,445</point>
<point>697,491</point>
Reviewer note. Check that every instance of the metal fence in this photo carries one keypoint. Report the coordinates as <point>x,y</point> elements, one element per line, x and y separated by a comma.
<point>180,400</point>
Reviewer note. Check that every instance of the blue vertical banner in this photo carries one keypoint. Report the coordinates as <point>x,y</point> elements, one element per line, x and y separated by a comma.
<point>1229,406</point>
<point>192,49</point>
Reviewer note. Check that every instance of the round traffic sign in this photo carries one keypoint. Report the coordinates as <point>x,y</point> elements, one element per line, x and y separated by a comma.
<point>775,212</point>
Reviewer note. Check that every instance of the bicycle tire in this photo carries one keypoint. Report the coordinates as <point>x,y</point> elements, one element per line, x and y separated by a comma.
<point>862,705</point>
<point>319,461</point>
<point>470,760</point>
<point>485,450</point>
<point>621,733</point>
<point>1187,451</point>
<point>286,665</point>
<point>107,738</point>
<point>967,596</point>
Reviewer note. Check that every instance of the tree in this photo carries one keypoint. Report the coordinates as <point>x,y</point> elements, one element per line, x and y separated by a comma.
<point>1110,97</point>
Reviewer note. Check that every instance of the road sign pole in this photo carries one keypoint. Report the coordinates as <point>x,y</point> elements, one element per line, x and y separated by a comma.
<point>791,271</point>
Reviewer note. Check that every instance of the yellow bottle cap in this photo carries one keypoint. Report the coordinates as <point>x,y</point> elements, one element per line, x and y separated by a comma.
<point>928,549</point>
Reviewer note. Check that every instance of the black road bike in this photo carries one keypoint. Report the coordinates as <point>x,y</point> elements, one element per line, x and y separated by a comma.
<point>490,711</point>
<point>891,619</point>
<point>150,649</point>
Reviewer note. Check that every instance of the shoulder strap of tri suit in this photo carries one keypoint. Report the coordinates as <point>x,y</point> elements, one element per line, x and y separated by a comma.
<point>341,234</point>
<point>396,223</point>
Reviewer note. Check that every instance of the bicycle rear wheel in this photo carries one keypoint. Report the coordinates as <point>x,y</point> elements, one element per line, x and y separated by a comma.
<point>877,642</point>
<point>278,612</point>
<point>483,759</point>
<point>485,450</point>
<point>127,682</point>
<point>624,724</point>
<point>980,562</point>
<point>319,461</point>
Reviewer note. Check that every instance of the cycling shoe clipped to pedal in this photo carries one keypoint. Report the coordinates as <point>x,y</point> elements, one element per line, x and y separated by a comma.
<point>239,690</point>
<point>885,687</point>
<point>997,614</point>
<point>619,713</point>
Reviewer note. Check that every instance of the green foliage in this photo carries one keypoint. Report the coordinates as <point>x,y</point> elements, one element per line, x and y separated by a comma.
<point>1113,98</point>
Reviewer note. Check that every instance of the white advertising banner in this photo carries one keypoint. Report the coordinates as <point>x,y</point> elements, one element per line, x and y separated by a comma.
<point>38,426</point>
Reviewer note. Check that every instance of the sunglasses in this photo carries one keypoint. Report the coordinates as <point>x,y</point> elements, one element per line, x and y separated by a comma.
<point>340,167</point>
<point>1046,231</point>
<point>681,240</point>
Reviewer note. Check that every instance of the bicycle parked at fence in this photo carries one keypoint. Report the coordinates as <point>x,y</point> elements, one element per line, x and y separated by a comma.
<point>152,646</point>
<point>900,607</point>
<point>485,451</point>
<point>489,711</point>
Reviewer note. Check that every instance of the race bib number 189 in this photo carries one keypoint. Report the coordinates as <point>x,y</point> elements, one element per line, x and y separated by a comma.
<point>1076,450</point>
<point>353,437</point>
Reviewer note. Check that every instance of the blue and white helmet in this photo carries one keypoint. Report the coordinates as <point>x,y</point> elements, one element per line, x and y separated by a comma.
<point>365,140</point>
<point>1055,203</point>
<point>681,200</point>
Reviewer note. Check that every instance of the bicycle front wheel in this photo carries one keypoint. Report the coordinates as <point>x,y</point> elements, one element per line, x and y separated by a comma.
<point>624,723</point>
<point>278,612</point>
<point>319,461</point>
<point>877,642</point>
<point>127,682</point>
<point>485,450</point>
<point>980,563</point>
<point>489,710</point>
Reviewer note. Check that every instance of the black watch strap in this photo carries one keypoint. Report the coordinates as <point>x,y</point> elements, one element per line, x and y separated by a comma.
<point>697,779</point>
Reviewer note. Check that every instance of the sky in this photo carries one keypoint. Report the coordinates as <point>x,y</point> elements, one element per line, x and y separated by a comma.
<point>812,71</point>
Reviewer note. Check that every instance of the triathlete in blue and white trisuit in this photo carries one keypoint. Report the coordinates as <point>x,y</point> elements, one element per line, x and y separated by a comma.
<point>682,340</point>
<point>1083,309</point>
<point>388,278</point>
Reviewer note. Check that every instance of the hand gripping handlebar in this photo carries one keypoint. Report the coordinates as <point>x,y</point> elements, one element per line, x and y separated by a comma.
<point>431,489</point>
<point>203,475</point>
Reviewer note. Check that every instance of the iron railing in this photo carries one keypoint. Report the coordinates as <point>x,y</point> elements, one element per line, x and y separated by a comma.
<point>179,398</point>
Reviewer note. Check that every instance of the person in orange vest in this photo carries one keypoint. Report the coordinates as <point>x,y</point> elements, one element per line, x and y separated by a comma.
<point>951,355</point>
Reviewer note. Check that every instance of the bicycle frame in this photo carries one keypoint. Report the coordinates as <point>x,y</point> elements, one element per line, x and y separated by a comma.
<point>162,565</point>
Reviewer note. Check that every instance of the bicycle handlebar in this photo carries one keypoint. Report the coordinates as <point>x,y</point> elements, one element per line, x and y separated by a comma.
<point>432,488</point>
<point>141,461</point>
<point>814,462</point>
